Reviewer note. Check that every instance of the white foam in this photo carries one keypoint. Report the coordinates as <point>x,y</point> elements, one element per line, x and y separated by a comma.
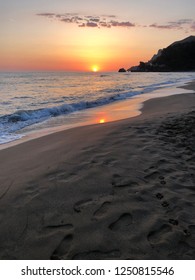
<point>6,138</point>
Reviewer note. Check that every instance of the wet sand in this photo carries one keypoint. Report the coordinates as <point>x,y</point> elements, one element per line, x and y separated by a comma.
<point>120,190</point>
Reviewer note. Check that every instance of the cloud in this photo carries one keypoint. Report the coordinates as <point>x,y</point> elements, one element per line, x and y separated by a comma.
<point>46,14</point>
<point>179,24</point>
<point>95,19</point>
<point>183,21</point>
<point>82,25</point>
<point>122,24</point>
<point>91,24</point>
<point>155,25</point>
<point>104,24</point>
<point>109,16</point>
<point>104,21</point>
<point>111,21</point>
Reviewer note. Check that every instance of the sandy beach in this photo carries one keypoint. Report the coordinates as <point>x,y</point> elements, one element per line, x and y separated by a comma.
<point>120,190</point>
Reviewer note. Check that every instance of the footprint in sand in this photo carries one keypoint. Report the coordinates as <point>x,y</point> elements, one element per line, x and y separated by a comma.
<point>121,184</point>
<point>102,210</point>
<point>190,231</point>
<point>62,176</point>
<point>165,204</point>
<point>155,237</point>
<point>60,225</point>
<point>152,175</point>
<point>119,181</point>
<point>123,223</point>
<point>161,177</point>
<point>80,205</point>
<point>60,253</point>
<point>173,222</point>
<point>109,162</point>
<point>163,182</point>
<point>187,232</point>
<point>55,220</point>
<point>159,196</point>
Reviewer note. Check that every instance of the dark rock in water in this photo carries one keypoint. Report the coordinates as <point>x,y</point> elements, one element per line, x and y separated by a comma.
<point>122,70</point>
<point>179,56</point>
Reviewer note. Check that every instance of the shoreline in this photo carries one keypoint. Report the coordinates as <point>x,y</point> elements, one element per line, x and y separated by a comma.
<point>124,109</point>
<point>128,185</point>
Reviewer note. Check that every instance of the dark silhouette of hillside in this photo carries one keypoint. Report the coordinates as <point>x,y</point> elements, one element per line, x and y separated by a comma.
<point>179,56</point>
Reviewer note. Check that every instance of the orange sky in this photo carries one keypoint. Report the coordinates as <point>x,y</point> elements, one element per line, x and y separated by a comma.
<point>35,39</point>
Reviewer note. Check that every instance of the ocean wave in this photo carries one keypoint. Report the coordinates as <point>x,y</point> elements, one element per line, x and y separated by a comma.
<point>22,118</point>
<point>8,137</point>
<point>26,115</point>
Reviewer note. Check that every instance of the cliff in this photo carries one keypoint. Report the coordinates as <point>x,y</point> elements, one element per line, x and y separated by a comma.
<point>179,56</point>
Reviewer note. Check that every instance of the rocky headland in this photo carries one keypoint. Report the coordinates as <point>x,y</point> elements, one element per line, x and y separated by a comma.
<point>179,56</point>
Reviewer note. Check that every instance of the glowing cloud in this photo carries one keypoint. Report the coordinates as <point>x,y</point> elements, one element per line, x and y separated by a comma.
<point>105,21</point>
<point>179,24</point>
<point>109,21</point>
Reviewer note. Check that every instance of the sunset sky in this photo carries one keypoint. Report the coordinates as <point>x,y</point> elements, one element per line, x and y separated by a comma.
<point>77,35</point>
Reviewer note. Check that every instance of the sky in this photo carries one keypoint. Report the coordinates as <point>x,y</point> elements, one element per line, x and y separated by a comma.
<point>89,35</point>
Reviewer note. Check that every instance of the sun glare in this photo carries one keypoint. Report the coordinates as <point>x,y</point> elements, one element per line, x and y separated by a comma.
<point>95,68</point>
<point>102,121</point>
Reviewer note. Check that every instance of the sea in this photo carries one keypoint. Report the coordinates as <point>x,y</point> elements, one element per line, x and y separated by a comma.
<point>35,100</point>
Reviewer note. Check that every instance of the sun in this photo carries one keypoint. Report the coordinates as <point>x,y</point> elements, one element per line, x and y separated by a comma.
<point>102,121</point>
<point>95,68</point>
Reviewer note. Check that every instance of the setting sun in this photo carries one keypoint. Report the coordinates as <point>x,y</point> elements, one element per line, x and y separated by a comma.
<point>102,121</point>
<point>95,68</point>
